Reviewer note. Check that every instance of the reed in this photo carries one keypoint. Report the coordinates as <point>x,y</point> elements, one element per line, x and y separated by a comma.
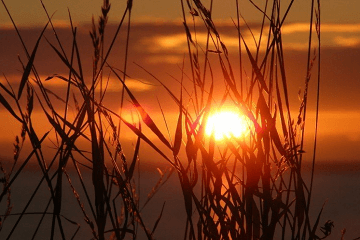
<point>244,188</point>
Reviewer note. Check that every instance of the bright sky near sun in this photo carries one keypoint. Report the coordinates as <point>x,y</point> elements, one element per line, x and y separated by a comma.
<point>226,124</point>
<point>158,44</point>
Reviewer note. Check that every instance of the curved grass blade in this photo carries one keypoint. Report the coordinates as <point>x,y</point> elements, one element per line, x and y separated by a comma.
<point>7,90</point>
<point>21,167</point>
<point>178,133</point>
<point>255,67</point>
<point>313,235</point>
<point>144,115</point>
<point>148,141</point>
<point>158,219</point>
<point>56,126</point>
<point>136,153</point>
<point>64,60</point>
<point>30,64</point>
<point>8,107</point>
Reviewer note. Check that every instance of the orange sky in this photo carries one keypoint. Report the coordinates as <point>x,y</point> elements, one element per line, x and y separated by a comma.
<point>31,12</point>
<point>158,43</point>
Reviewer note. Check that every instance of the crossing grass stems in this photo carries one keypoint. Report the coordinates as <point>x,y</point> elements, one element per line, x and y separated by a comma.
<point>249,188</point>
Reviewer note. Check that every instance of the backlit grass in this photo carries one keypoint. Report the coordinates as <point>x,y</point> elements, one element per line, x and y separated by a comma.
<point>250,187</point>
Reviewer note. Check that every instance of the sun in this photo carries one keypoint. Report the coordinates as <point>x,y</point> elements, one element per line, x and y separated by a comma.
<point>227,124</point>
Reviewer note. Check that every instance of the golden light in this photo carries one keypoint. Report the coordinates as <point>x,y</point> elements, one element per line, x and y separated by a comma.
<point>226,123</point>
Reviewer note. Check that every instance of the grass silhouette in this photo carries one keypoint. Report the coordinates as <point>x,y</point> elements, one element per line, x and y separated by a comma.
<point>243,188</point>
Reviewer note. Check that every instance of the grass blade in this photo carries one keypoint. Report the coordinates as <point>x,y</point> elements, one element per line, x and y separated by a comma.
<point>144,115</point>
<point>148,141</point>
<point>136,153</point>
<point>8,107</point>
<point>178,133</point>
<point>30,64</point>
<point>158,219</point>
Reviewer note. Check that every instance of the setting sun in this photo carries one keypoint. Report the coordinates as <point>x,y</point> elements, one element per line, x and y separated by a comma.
<point>226,124</point>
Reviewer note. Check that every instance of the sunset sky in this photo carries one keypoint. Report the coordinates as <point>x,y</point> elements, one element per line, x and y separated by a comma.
<point>158,43</point>
<point>30,12</point>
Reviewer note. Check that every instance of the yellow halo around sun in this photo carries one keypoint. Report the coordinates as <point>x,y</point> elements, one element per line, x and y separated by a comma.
<point>226,124</point>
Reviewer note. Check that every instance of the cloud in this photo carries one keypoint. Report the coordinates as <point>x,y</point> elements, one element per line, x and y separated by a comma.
<point>295,37</point>
<point>347,41</point>
<point>172,59</point>
<point>332,35</point>
<point>113,85</point>
<point>294,27</point>
<point>57,23</point>
<point>325,28</point>
<point>341,28</point>
<point>165,43</point>
<point>176,43</point>
<point>134,85</point>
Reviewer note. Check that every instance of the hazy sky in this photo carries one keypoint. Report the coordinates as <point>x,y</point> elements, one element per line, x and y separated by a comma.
<point>160,47</point>
<point>30,12</point>
<point>158,43</point>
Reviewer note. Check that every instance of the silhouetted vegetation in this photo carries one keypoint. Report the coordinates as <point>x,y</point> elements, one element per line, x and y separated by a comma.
<point>243,188</point>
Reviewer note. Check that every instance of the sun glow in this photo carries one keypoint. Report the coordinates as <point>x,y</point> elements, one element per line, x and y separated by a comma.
<point>226,124</point>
